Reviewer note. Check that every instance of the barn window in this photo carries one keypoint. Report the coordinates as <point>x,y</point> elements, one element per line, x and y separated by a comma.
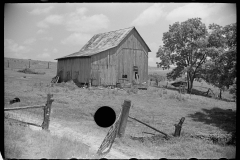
<point>124,76</point>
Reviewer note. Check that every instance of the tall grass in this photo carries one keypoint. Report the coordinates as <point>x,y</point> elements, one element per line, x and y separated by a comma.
<point>177,96</point>
<point>65,148</point>
<point>19,139</point>
<point>13,137</point>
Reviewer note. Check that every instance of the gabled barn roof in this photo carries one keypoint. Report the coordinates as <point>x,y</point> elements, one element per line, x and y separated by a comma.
<point>102,42</point>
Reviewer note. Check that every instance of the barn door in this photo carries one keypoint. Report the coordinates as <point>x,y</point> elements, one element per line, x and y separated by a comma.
<point>126,60</point>
<point>95,75</point>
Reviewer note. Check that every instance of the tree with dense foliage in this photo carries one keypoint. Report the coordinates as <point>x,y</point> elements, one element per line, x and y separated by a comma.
<point>198,53</point>
<point>185,45</point>
<point>220,71</point>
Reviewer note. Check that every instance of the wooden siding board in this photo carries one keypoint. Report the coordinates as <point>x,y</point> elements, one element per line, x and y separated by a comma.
<point>106,69</point>
<point>74,66</point>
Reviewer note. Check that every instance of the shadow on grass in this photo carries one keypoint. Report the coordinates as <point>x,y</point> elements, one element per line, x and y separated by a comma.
<point>201,93</point>
<point>224,119</point>
<point>195,92</point>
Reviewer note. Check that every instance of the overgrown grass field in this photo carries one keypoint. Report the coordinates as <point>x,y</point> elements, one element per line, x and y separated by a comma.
<point>23,143</point>
<point>73,108</point>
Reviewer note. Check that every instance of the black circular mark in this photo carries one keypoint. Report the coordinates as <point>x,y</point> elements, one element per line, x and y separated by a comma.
<point>193,159</point>
<point>105,116</point>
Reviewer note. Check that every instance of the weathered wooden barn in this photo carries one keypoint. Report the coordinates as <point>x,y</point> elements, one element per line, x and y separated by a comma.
<point>119,56</point>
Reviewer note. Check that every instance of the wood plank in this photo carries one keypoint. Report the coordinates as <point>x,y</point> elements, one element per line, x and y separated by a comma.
<point>25,107</point>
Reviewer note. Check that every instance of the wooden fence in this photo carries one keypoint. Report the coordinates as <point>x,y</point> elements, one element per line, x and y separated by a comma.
<point>118,128</point>
<point>46,112</point>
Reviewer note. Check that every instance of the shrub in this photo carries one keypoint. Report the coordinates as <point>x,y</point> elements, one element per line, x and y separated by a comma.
<point>56,90</point>
<point>30,71</point>
<point>233,90</point>
<point>164,91</point>
<point>156,77</point>
<point>62,84</point>
<point>71,85</point>
<point>177,96</point>
<point>160,94</point>
<point>155,90</point>
<point>132,90</point>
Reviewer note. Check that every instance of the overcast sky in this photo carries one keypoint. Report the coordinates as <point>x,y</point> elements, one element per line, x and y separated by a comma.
<point>49,31</point>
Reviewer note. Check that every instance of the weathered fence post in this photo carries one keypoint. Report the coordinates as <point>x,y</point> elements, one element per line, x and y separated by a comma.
<point>179,89</point>
<point>47,112</point>
<point>178,127</point>
<point>123,120</point>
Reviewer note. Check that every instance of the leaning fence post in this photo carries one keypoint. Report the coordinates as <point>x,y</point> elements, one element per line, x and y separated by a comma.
<point>178,127</point>
<point>47,112</point>
<point>123,120</point>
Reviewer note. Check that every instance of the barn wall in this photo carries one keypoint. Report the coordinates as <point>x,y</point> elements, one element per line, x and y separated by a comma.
<point>107,67</point>
<point>81,69</point>
<point>77,69</point>
<point>60,69</point>
<point>132,52</point>
<point>103,68</point>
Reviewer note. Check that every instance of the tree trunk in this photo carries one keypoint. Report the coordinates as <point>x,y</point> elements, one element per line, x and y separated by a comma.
<point>220,94</point>
<point>190,82</point>
<point>191,86</point>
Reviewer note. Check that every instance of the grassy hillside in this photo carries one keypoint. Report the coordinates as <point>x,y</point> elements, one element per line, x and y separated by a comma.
<point>198,87</point>
<point>161,108</point>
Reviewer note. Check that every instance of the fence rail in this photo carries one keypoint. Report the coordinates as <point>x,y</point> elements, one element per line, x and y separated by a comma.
<point>117,130</point>
<point>33,124</point>
<point>25,107</point>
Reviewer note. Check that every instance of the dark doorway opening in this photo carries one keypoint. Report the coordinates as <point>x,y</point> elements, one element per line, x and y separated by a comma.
<point>136,75</point>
